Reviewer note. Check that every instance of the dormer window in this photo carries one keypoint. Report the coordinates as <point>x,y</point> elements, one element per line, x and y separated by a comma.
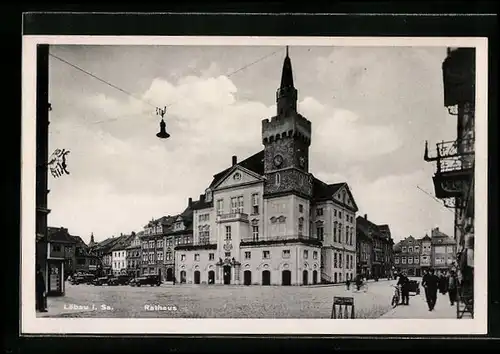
<point>208,195</point>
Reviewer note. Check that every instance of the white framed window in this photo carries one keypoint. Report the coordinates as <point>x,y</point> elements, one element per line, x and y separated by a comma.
<point>277,179</point>
<point>335,260</point>
<point>403,249</point>
<point>220,206</point>
<point>403,260</point>
<point>301,208</point>
<point>248,255</point>
<point>410,249</point>
<point>410,260</point>
<point>255,232</point>
<point>234,205</point>
<point>319,211</point>
<point>396,260</point>
<point>211,256</point>
<point>306,254</point>
<point>241,204</point>
<point>183,257</point>
<point>335,225</point>
<point>255,203</point>
<point>341,264</point>
<point>320,232</point>
<point>301,225</point>
<point>286,254</point>
<point>266,254</point>
<point>196,257</point>
<point>228,232</point>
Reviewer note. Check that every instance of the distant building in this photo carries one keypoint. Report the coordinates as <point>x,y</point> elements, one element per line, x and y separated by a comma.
<point>134,258</point>
<point>119,254</point>
<point>152,249</point>
<point>407,256</point>
<point>61,251</point>
<point>84,261</point>
<point>426,252</point>
<point>180,233</point>
<point>102,251</point>
<point>374,248</point>
<point>443,250</point>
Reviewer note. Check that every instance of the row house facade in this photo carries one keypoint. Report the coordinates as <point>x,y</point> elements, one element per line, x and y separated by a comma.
<point>407,256</point>
<point>374,249</point>
<point>152,246</point>
<point>60,250</point>
<point>119,254</point>
<point>267,220</point>
<point>103,253</point>
<point>134,255</point>
<point>84,260</point>
<point>415,255</point>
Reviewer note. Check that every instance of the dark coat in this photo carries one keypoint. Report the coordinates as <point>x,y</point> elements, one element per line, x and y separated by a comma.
<point>430,281</point>
<point>404,282</point>
<point>40,282</point>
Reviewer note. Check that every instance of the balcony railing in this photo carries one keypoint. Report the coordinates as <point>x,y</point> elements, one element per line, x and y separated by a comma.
<point>232,217</point>
<point>282,238</point>
<point>451,155</point>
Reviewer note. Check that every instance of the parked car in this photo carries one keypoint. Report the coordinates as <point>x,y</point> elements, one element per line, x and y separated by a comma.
<point>119,280</point>
<point>102,280</point>
<point>151,280</point>
<point>82,279</point>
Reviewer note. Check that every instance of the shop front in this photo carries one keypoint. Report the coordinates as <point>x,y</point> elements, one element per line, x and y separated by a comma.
<point>55,277</point>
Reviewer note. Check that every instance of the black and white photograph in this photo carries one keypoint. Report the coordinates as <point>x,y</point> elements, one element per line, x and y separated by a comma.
<point>293,180</point>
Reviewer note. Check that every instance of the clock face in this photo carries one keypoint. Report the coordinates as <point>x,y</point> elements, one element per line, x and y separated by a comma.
<point>278,160</point>
<point>237,176</point>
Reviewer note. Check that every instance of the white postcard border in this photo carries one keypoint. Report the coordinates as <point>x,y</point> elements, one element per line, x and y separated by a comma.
<point>30,324</point>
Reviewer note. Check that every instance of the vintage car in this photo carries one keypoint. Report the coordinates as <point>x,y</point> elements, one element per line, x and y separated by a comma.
<point>151,280</point>
<point>414,286</point>
<point>102,280</point>
<point>119,280</point>
<point>82,279</point>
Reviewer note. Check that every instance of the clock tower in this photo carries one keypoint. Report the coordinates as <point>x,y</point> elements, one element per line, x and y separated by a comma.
<point>286,138</point>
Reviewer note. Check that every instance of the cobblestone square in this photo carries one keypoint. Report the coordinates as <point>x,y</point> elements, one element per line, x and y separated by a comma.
<point>199,301</point>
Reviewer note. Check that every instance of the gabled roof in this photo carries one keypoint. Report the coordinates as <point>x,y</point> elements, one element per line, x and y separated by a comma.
<point>122,243</point>
<point>232,169</point>
<point>426,238</point>
<point>254,163</point>
<point>367,228</point>
<point>385,230</point>
<point>443,240</point>
<point>323,191</point>
<point>59,234</point>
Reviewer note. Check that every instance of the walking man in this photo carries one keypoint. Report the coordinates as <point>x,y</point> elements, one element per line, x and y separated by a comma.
<point>40,290</point>
<point>405,291</point>
<point>430,283</point>
<point>452,287</point>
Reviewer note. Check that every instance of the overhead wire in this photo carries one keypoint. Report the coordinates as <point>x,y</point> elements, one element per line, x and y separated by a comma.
<point>139,98</point>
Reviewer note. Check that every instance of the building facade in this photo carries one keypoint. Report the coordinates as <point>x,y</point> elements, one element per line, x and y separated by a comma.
<point>363,251</point>
<point>134,258</point>
<point>407,257</point>
<point>267,220</point>
<point>426,252</point>
<point>375,248</point>
<point>443,250</point>
<point>455,167</point>
<point>61,259</point>
<point>179,233</point>
<point>152,246</point>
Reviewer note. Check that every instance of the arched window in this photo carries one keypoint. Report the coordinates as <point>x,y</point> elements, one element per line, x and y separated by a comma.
<point>278,179</point>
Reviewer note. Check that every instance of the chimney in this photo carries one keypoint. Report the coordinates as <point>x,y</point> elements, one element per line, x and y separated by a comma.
<point>366,217</point>
<point>235,160</point>
<point>190,201</point>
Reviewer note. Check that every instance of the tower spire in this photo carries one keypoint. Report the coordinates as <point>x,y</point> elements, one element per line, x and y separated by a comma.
<point>286,97</point>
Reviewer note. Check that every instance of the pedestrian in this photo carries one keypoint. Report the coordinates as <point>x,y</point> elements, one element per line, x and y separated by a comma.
<point>430,282</point>
<point>452,287</point>
<point>443,282</point>
<point>40,290</point>
<point>359,281</point>
<point>348,283</point>
<point>405,291</point>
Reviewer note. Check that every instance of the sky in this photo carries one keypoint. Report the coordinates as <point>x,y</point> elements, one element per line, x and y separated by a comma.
<point>371,108</point>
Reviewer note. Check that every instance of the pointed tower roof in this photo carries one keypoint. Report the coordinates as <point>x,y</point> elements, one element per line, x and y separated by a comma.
<point>287,75</point>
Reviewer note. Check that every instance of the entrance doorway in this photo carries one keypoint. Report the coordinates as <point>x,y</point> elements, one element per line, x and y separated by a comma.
<point>183,277</point>
<point>247,277</point>
<point>197,277</point>
<point>266,277</point>
<point>227,274</point>
<point>286,277</point>
<point>305,276</point>
<point>211,277</point>
<point>315,277</point>
<point>170,274</point>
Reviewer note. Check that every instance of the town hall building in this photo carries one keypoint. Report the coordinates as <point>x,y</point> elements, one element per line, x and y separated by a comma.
<point>267,220</point>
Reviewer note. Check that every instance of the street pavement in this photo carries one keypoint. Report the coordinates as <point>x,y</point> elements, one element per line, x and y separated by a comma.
<point>217,301</point>
<point>418,308</point>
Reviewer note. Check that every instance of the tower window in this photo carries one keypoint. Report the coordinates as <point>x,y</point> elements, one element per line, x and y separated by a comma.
<point>278,179</point>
